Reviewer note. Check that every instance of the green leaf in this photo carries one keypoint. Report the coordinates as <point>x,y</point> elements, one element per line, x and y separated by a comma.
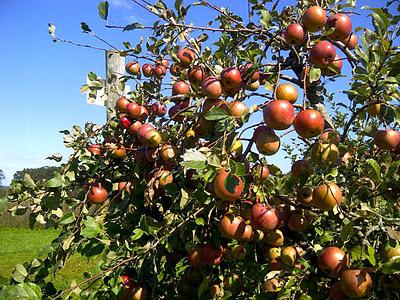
<point>85,27</point>
<point>19,274</point>
<point>92,228</point>
<point>392,266</point>
<point>133,26</point>
<point>214,160</point>
<point>84,88</point>
<point>371,255</point>
<point>92,76</point>
<point>265,18</point>
<point>215,114</point>
<point>231,182</point>
<point>103,9</point>
<point>315,74</point>
<point>68,218</point>
<point>137,234</point>
<point>197,165</point>
<point>376,168</point>
<point>392,169</point>
<point>28,181</point>
<point>200,221</point>
<point>56,181</point>
<point>347,231</point>
<point>22,291</point>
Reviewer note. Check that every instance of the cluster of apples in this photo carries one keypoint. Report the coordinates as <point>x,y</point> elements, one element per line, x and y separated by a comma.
<point>131,290</point>
<point>158,70</point>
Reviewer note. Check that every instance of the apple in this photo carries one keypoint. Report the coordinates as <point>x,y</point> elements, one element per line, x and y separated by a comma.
<point>167,152</point>
<point>97,194</point>
<point>314,19</point>
<point>165,177</point>
<point>263,217</point>
<point>268,142</point>
<point>260,129</point>
<point>356,283</point>
<point>272,285</point>
<point>342,27</point>
<point>133,129</point>
<point>336,292</point>
<point>121,104</point>
<point>324,153</point>
<point>159,109</point>
<point>211,87</point>
<point>159,71</point>
<point>253,86</point>
<point>142,131</point>
<point>273,253</point>
<point>390,251</point>
<point>239,252</point>
<point>231,226</point>
<point>304,196</point>
<point>176,69</point>
<point>322,54</point>
<point>125,122</point>
<point>211,255</point>
<point>309,123</point>
<point>287,91</point>
<point>387,139</point>
<point>144,113</point>
<point>237,108</point>
<point>350,42</point>
<point>333,261</point>
<point>133,109</point>
<point>326,196</point>
<point>374,109</point>
<point>231,80</point>
<point>330,136</point>
<point>118,152</point>
<point>147,70</point>
<point>208,104</point>
<point>196,75</point>
<point>228,186</point>
<point>185,56</point>
<point>248,234</point>
<point>294,34</point>
<point>261,172</point>
<point>132,68</point>
<point>152,138</point>
<point>302,167</point>
<point>334,67</point>
<point>125,186</point>
<point>203,126</point>
<point>215,292</point>
<point>248,74</point>
<point>195,259</point>
<point>180,88</point>
<point>274,237</point>
<point>298,222</point>
<point>289,255</point>
<point>173,113</point>
<point>95,149</point>
<point>164,62</point>
<point>278,114</point>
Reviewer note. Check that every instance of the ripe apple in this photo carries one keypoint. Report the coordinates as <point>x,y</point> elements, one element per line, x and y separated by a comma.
<point>298,222</point>
<point>302,167</point>
<point>231,80</point>
<point>334,67</point>
<point>167,152</point>
<point>248,234</point>
<point>121,104</point>
<point>263,217</point>
<point>173,113</point>
<point>278,114</point>
<point>133,109</point>
<point>215,292</point>
<point>144,113</point>
<point>247,74</point>
<point>330,136</point>
<point>125,186</point>
<point>147,70</point>
<point>196,75</point>
<point>287,91</point>
<point>165,177</point>
<point>272,285</point>
<point>159,109</point>
<point>260,173</point>
<point>160,71</point>
<point>211,87</point>
<point>97,194</point>
<point>304,196</point>
<point>180,88</point>
<point>237,108</point>
<point>273,253</point>
<point>350,42</point>
<point>231,226</point>
<point>211,255</point>
<point>342,25</point>
<point>239,252</point>
<point>314,19</point>
<point>118,152</point>
<point>211,103</point>
<point>326,196</point>
<point>253,86</point>
<point>274,237</point>
<point>142,131</point>
<point>289,255</point>
<point>322,54</point>
<point>132,130</point>
<point>356,283</point>
<point>132,68</point>
<point>374,109</point>
<point>164,62</point>
<point>324,153</point>
<point>387,139</point>
<point>268,142</point>
<point>152,138</point>
<point>195,259</point>
<point>228,186</point>
<point>176,69</point>
<point>185,56</point>
<point>95,149</point>
<point>309,123</point>
<point>333,261</point>
<point>294,34</point>
<point>336,292</point>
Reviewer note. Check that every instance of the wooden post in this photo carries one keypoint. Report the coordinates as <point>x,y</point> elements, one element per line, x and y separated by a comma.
<point>115,68</point>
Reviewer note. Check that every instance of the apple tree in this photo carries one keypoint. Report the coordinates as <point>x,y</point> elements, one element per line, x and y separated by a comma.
<point>175,197</point>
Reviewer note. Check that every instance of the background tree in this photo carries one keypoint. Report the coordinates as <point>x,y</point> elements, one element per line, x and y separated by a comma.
<point>42,173</point>
<point>2,177</point>
<point>186,205</point>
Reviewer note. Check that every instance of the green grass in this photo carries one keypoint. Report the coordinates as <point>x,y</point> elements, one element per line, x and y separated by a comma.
<point>18,245</point>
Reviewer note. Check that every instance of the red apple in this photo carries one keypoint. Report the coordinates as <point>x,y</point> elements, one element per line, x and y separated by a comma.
<point>302,167</point>
<point>342,25</point>
<point>231,80</point>
<point>180,88</point>
<point>278,114</point>
<point>132,68</point>
<point>237,108</point>
<point>160,71</point>
<point>263,217</point>
<point>97,194</point>
<point>125,122</point>
<point>185,56</point>
<point>159,109</point>
<point>294,34</point>
<point>95,149</point>
<point>267,142</point>
<point>334,67</point>
<point>147,70</point>
<point>322,54</point>
<point>196,75</point>
<point>387,139</point>
<point>211,87</point>
<point>121,104</point>
<point>133,109</point>
<point>247,74</point>
<point>314,19</point>
<point>176,69</point>
<point>132,130</point>
<point>309,123</point>
<point>350,42</point>
<point>333,261</point>
<point>356,283</point>
<point>228,186</point>
<point>231,226</point>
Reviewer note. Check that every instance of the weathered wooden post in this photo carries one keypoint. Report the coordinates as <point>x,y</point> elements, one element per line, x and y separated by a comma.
<point>115,68</point>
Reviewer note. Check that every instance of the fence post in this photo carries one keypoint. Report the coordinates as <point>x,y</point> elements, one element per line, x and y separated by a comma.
<point>115,68</point>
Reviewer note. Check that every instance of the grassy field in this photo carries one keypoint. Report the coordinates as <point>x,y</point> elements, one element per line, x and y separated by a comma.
<point>18,245</point>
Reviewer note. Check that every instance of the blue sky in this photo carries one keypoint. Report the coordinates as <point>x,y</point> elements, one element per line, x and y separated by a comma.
<point>40,80</point>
